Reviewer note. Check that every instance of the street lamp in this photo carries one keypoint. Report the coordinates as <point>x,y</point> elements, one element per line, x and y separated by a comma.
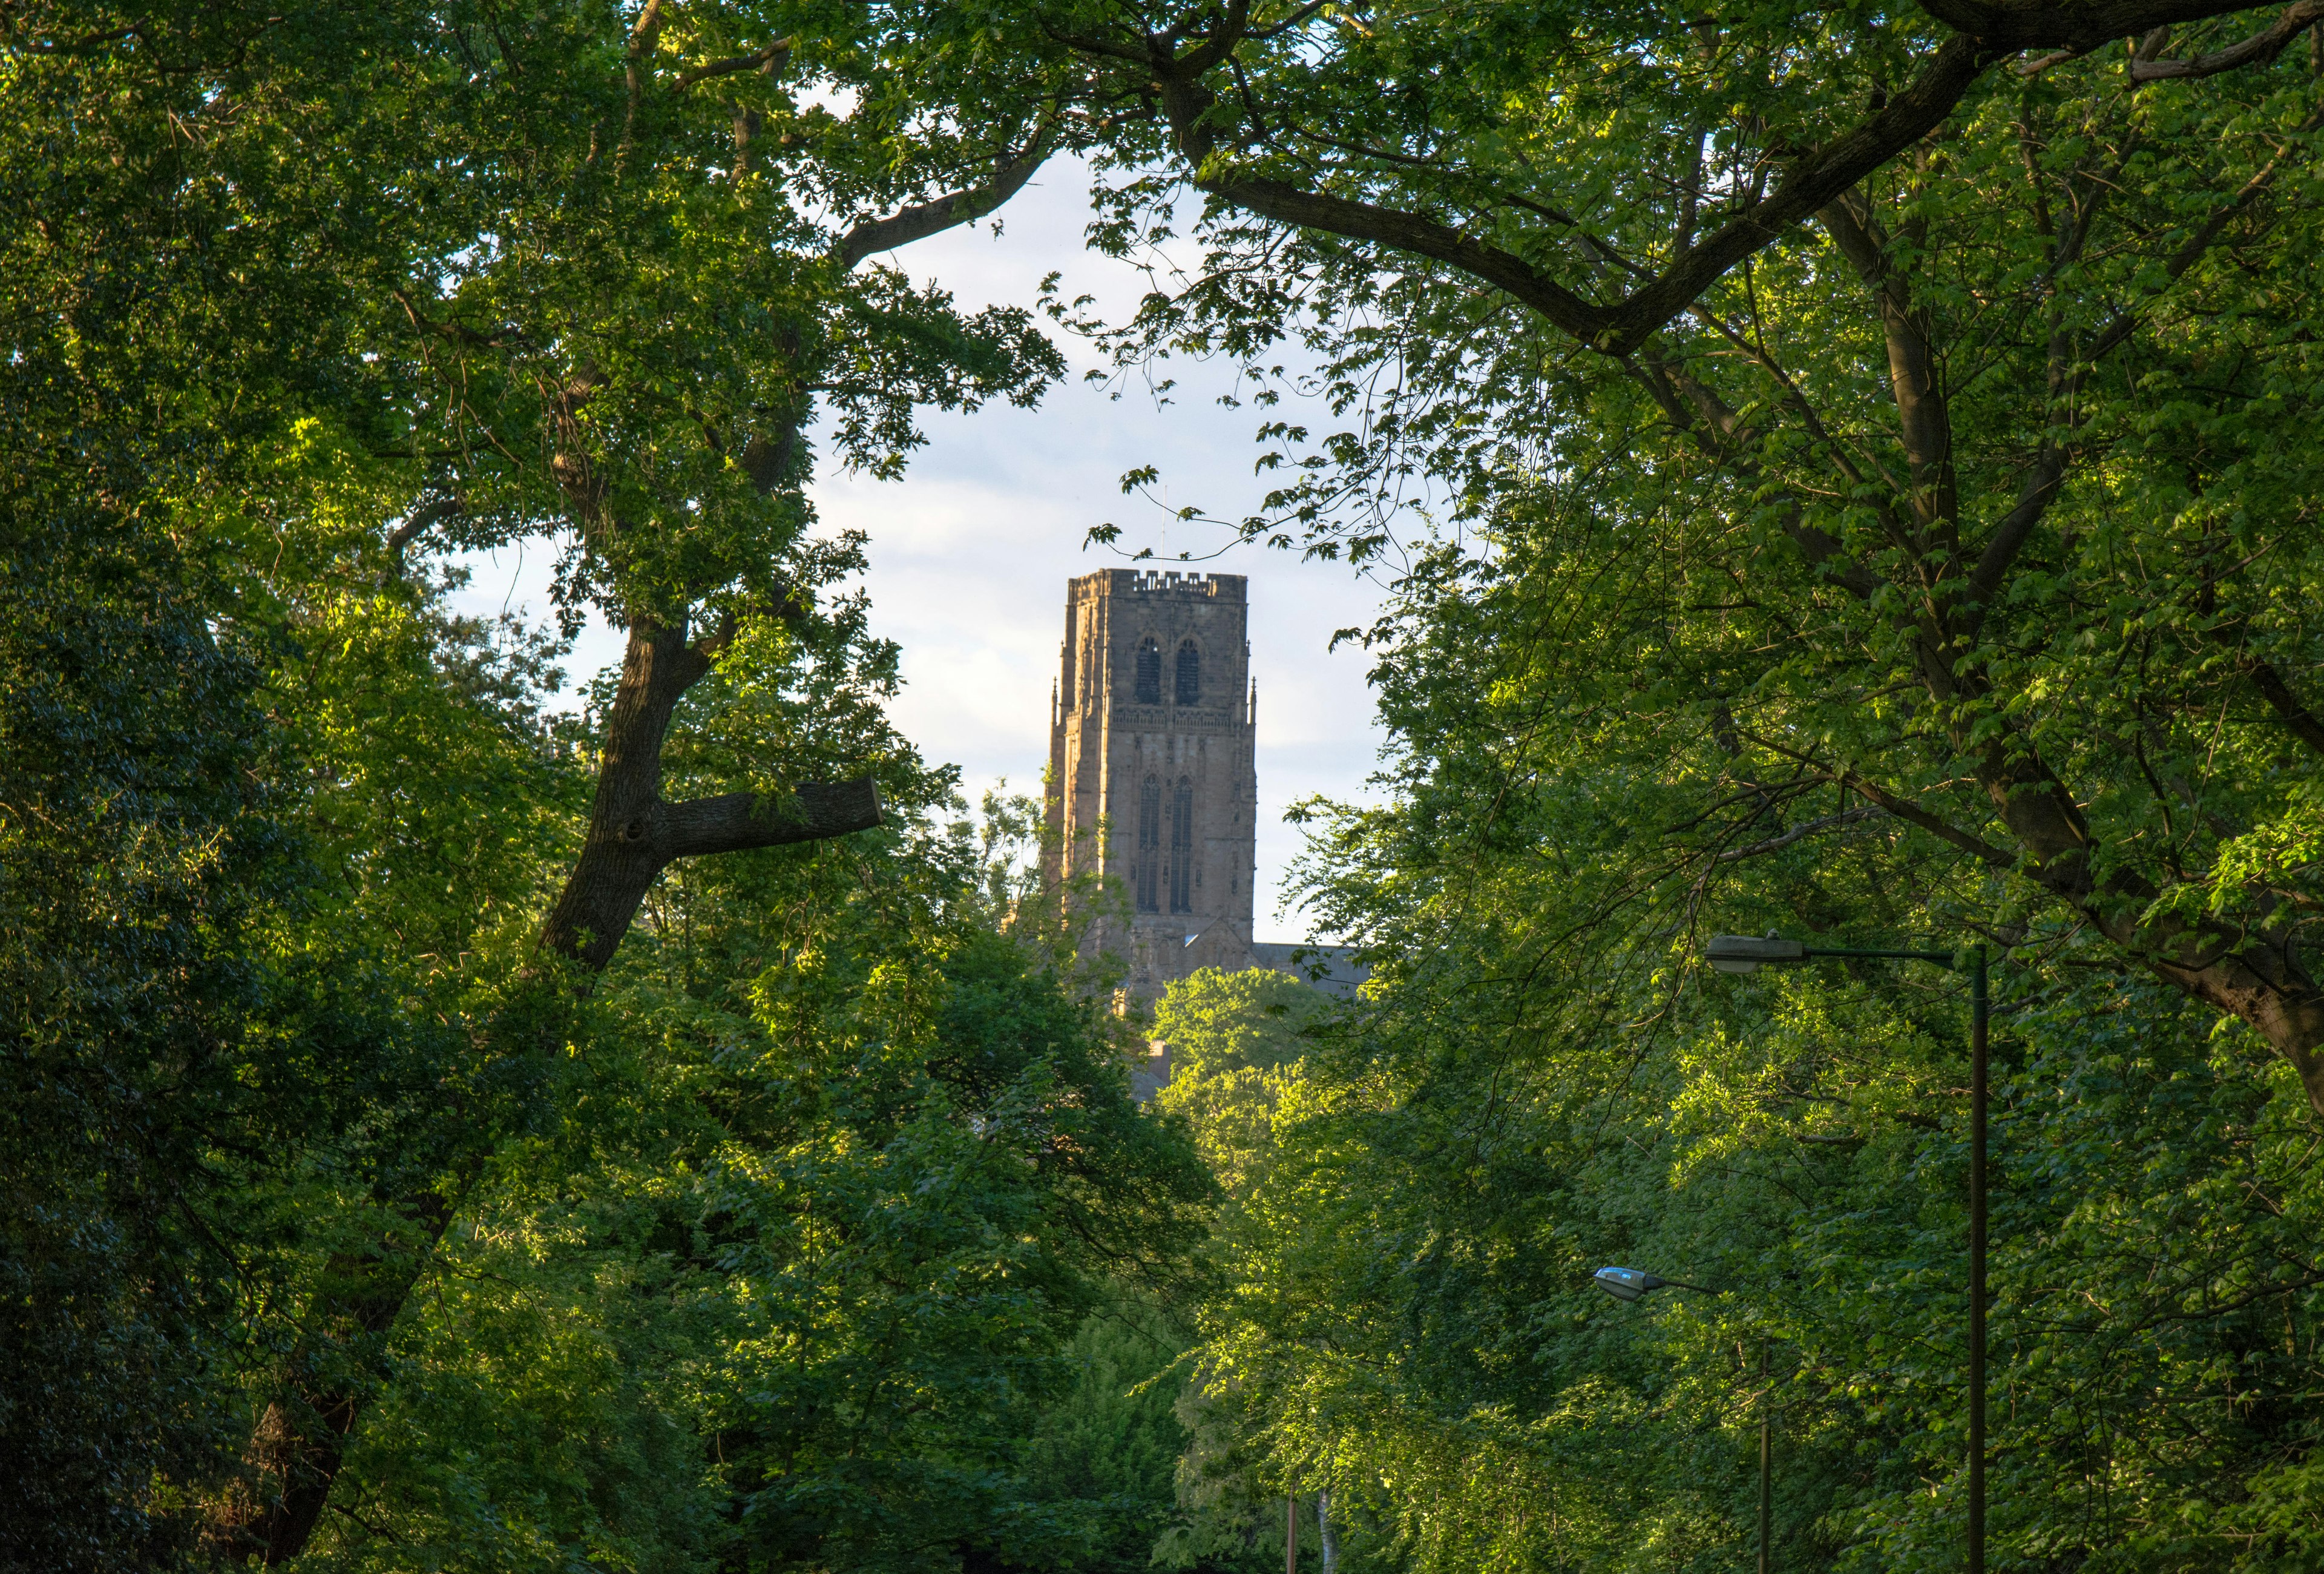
<point>1748,954</point>
<point>1631,1284</point>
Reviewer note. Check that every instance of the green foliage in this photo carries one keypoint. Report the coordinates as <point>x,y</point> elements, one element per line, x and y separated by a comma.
<point>295,302</point>
<point>1946,568</point>
<point>1974,496</point>
<point>1217,1021</point>
<point>1110,1443</point>
<point>1541,1083</point>
<point>1938,565</point>
<point>1236,1041</point>
<point>1238,1047</point>
<point>137,1077</point>
<point>1408,1315</point>
<point>808,1260</point>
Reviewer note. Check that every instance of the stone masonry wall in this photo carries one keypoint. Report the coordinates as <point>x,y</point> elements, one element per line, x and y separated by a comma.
<point>1152,773</point>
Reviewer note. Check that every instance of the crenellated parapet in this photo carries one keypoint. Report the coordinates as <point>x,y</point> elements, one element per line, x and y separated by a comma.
<point>1171,582</point>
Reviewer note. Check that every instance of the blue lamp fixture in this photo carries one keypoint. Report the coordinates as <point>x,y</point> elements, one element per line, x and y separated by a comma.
<point>1630,1284</point>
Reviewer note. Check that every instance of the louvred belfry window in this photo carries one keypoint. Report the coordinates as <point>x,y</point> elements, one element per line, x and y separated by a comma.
<point>1182,847</point>
<point>1149,672</point>
<point>1146,870</point>
<point>1190,674</point>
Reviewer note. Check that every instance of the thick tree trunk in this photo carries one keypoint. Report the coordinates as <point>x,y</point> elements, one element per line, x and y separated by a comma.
<point>633,834</point>
<point>2249,971</point>
<point>301,1442</point>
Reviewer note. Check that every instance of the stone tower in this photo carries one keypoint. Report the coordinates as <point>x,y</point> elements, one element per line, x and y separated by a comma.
<point>1151,730</point>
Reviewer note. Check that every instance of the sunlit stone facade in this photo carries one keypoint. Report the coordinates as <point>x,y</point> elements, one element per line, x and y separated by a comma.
<point>1151,776</point>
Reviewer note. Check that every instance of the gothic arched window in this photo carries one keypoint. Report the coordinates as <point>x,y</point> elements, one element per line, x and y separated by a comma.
<point>1146,871</point>
<point>1150,671</point>
<point>1190,674</point>
<point>1182,845</point>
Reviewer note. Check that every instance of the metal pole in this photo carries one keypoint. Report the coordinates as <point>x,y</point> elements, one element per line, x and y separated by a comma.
<point>1766,1457</point>
<point>1746,954</point>
<point>1977,1047</point>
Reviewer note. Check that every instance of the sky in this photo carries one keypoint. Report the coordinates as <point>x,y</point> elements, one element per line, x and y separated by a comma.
<point>971,548</point>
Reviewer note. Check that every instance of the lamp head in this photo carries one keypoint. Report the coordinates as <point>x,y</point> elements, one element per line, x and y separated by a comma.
<point>1750,953</point>
<point>1626,1284</point>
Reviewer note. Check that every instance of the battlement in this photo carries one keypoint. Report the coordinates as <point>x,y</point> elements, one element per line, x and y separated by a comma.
<point>1171,582</point>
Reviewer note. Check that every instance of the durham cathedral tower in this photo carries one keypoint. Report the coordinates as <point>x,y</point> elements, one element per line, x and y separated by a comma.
<point>1151,731</point>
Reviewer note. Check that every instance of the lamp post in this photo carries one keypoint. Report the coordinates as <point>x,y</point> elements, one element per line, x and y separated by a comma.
<point>1748,954</point>
<point>1635,1283</point>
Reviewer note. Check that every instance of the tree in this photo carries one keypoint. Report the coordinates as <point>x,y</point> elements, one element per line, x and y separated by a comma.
<point>1110,1439</point>
<point>1861,416</point>
<point>161,1051</point>
<point>1406,1310</point>
<point>1929,555</point>
<point>1236,1041</point>
<point>306,298</point>
<point>1239,1044</point>
<point>139,1082</point>
<point>794,1278</point>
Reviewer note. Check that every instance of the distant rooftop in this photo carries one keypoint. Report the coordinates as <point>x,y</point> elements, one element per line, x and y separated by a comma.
<point>1341,972</point>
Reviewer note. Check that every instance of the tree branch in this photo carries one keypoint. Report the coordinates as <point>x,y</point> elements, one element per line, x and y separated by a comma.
<point>1806,827</point>
<point>1896,803</point>
<point>734,821</point>
<point>1923,412</point>
<point>638,54</point>
<point>2260,47</point>
<point>1622,327</point>
<point>2298,718</point>
<point>1410,232</point>
<point>768,59</point>
<point>2042,487</point>
<point>2006,27</point>
<point>420,522</point>
<point>633,834</point>
<point>1906,810</point>
<point>1987,31</point>
<point>928,218</point>
<point>1665,384</point>
<point>2011,534</point>
<point>2257,977</point>
<point>2195,245</point>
